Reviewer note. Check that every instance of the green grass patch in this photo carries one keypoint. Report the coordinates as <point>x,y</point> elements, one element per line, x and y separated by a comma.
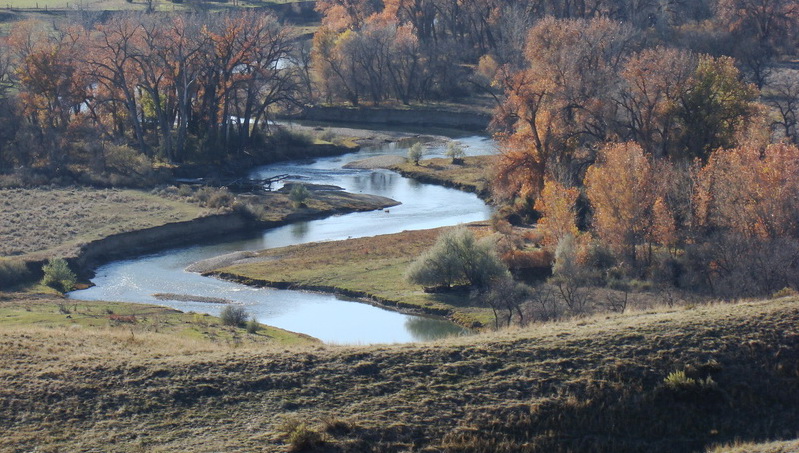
<point>52,312</point>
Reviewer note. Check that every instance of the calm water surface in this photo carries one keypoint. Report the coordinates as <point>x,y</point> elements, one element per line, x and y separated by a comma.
<point>327,317</point>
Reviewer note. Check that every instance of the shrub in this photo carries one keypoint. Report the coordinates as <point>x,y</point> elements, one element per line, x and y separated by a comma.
<point>252,325</point>
<point>455,152</point>
<point>127,161</point>
<point>299,193</point>
<point>458,257</point>
<point>58,275</point>
<point>415,153</point>
<point>221,198</point>
<point>233,315</point>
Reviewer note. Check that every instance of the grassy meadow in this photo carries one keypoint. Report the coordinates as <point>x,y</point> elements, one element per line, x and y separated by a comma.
<point>471,175</point>
<point>136,322</point>
<point>372,267</point>
<point>595,384</point>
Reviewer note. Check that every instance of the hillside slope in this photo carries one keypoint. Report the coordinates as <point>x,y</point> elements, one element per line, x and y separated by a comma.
<point>590,385</point>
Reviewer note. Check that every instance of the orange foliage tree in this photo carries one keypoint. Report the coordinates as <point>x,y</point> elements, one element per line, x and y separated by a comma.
<point>557,207</point>
<point>750,191</point>
<point>621,191</point>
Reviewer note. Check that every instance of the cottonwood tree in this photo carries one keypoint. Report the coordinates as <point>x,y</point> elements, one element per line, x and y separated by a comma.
<point>783,96</point>
<point>621,191</point>
<point>558,214</point>
<point>561,104</point>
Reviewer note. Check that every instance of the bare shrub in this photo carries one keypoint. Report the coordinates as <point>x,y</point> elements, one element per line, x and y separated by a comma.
<point>729,265</point>
<point>233,315</point>
<point>569,277</point>
<point>127,161</point>
<point>507,296</point>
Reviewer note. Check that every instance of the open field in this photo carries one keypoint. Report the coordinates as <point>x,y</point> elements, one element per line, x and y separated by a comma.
<point>598,384</point>
<point>372,267</point>
<point>470,176</point>
<point>40,223</point>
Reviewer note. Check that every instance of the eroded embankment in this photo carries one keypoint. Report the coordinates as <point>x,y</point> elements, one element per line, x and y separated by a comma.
<point>204,229</point>
<point>421,117</point>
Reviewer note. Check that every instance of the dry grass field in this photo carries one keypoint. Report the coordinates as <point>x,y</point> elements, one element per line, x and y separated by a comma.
<point>596,384</point>
<point>372,267</point>
<point>40,223</point>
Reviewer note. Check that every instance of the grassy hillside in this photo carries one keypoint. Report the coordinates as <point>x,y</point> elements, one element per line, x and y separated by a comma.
<point>590,385</point>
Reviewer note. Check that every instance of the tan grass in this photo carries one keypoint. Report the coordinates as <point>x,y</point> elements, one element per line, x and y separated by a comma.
<point>39,223</point>
<point>472,175</point>
<point>585,385</point>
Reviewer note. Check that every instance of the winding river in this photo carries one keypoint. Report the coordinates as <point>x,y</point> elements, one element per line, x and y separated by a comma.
<point>328,317</point>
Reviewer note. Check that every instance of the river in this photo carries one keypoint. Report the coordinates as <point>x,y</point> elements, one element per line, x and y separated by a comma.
<point>330,318</point>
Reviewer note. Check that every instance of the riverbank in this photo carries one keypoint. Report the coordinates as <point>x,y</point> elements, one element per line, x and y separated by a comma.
<point>550,387</point>
<point>136,323</point>
<point>100,225</point>
<point>452,116</point>
<point>471,174</point>
<point>371,269</point>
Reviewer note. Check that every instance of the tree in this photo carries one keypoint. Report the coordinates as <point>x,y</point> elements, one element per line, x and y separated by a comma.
<point>558,215</point>
<point>783,96</point>
<point>750,191</point>
<point>457,258</point>
<point>415,153</point>
<point>621,191</point>
<point>653,82</point>
<point>715,104</point>
<point>58,275</point>
<point>455,152</point>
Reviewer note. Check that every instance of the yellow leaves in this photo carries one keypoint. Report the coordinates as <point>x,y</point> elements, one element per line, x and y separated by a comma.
<point>556,204</point>
<point>753,194</point>
<point>621,190</point>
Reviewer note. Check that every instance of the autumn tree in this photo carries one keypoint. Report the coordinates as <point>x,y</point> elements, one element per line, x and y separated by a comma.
<point>558,214</point>
<point>620,189</point>
<point>653,82</point>
<point>753,192</point>
<point>561,105</point>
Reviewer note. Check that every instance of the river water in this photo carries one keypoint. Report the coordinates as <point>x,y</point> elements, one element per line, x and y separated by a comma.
<point>330,318</point>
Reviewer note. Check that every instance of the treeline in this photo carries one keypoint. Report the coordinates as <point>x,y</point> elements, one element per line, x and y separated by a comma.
<point>134,88</point>
<point>650,163</point>
<point>417,50</point>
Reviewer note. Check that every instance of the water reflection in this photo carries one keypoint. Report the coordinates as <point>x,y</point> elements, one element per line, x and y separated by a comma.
<point>299,230</point>
<point>427,329</point>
